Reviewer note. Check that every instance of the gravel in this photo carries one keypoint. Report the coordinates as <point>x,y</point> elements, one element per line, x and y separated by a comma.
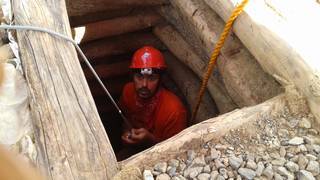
<point>283,147</point>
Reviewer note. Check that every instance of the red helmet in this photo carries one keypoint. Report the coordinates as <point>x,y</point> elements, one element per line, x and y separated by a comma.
<point>148,57</point>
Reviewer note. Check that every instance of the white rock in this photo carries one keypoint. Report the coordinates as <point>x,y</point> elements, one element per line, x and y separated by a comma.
<point>305,123</point>
<point>251,165</point>
<point>282,151</point>
<point>292,167</point>
<point>214,174</point>
<point>235,162</point>
<point>284,172</point>
<point>247,173</point>
<point>207,169</point>
<point>260,168</point>
<point>215,154</point>
<point>305,175</point>
<point>147,175</point>
<point>198,161</point>
<point>163,177</point>
<point>296,141</point>
<point>277,177</point>
<point>313,167</point>
<point>161,167</point>
<point>278,162</point>
<point>203,176</point>
<point>173,163</point>
<point>302,162</point>
<point>268,172</point>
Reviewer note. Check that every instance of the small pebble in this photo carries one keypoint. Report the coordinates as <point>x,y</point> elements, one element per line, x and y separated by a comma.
<point>247,173</point>
<point>296,141</point>
<point>305,175</point>
<point>163,177</point>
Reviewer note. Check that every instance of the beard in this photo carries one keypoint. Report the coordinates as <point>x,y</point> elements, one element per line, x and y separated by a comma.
<point>144,93</point>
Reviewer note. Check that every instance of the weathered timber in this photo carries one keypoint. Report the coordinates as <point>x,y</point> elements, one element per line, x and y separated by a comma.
<point>184,52</point>
<point>243,77</point>
<point>120,25</point>
<point>108,70</point>
<point>70,138</point>
<point>188,83</point>
<point>272,31</point>
<point>209,130</point>
<point>82,7</point>
<point>81,20</point>
<point>119,44</point>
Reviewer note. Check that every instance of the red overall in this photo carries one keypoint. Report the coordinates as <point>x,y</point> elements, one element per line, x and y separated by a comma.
<point>163,115</point>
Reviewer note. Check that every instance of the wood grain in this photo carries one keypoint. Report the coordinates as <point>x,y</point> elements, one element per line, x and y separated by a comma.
<point>70,138</point>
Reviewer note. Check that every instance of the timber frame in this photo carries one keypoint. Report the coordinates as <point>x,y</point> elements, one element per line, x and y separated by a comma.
<point>70,138</point>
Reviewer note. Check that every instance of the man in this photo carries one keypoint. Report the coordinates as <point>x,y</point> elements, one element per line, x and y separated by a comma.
<point>154,113</point>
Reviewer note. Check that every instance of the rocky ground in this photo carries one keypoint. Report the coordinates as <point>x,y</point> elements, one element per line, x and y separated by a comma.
<point>282,147</point>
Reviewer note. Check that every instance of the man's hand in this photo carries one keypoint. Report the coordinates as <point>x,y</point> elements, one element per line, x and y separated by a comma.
<point>138,136</point>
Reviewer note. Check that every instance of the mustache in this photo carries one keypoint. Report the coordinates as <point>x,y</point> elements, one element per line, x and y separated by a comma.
<point>143,89</point>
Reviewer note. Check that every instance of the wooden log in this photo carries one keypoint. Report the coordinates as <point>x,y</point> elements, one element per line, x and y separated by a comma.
<point>70,139</point>
<point>184,52</point>
<point>189,83</point>
<point>210,130</point>
<point>81,20</point>
<point>272,32</point>
<point>242,75</point>
<point>82,7</point>
<point>108,70</point>
<point>119,45</point>
<point>120,25</point>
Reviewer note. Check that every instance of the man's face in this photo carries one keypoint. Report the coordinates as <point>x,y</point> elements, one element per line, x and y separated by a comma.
<point>146,85</point>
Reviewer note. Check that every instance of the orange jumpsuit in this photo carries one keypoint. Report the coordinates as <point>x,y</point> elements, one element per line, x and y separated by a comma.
<point>163,115</point>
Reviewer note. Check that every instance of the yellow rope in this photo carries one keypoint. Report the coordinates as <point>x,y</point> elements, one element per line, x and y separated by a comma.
<point>216,53</point>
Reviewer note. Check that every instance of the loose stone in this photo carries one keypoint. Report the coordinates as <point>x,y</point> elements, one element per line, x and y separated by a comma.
<point>191,155</point>
<point>277,177</point>
<point>218,164</point>
<point>161,167</point>
<point>214,174</point>
<point>251,165</point>
<point>311,157</point>
<point>163,177</point>
<point>278,162</point>
<point>173,162</point>
<point>203,176</point>
<point>235,162</point>
<point>223,172</point>
<point>305,175</point>
<point>219,177</point>
<point>198,161</point>
<point>247,173</point>
<point>296,141</point>
<point>147,175</point>
<point>282,151</point>
<point>215,154</point>
<point>268,172</point>
<point>302,162</point>
<point>305,123</point>
<point>206,169</point>
<point>260,168</point>
<point>313,167</point>
<point>171,171</point>
<point>292,167</point>
<point>284,172</point>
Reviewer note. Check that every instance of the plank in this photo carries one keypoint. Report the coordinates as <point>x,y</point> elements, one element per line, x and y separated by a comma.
<point>70,138</point>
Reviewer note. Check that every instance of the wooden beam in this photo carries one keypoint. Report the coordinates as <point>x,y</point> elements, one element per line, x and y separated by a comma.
<point>275,33</point>
<point>81,20</point>
<point>108,70</point>
<point>242,75</point>
<point>189,84</point>
<point>120,25</point>
<point>184,52</point>
<point>120,44</point>
<point>210,130</point>
<point>82,7</point>
<point>70,138</point>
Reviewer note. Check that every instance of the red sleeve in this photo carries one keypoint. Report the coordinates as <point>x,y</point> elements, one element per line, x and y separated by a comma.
<point>175,123</point>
